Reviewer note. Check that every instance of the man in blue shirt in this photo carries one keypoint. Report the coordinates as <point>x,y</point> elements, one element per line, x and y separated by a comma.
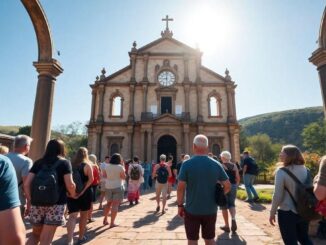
<point>12,231</point>
<point>198,177</point>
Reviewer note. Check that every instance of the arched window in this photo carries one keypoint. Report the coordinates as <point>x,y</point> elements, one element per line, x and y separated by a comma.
<point>214,104</point>
<point>116,104</point>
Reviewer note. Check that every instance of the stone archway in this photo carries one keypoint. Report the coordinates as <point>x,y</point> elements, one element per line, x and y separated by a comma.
<point>167,145</point>
<point>48,69</point>
<point>318,58</point>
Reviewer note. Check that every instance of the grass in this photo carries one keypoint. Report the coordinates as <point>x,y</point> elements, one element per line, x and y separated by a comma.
<point>265,195</point>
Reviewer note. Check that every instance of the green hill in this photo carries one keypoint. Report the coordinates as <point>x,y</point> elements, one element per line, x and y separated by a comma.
<point>283,127</point>
<point>11,130</point>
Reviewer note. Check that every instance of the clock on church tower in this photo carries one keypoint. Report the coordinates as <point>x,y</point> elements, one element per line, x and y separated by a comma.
<point>166,78</point>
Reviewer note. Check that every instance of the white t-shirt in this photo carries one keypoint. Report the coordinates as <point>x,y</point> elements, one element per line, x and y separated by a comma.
<point>113,179</point>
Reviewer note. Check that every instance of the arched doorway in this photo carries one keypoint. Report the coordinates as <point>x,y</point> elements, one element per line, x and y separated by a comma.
<point>167,145</point>
<point>216,150</point>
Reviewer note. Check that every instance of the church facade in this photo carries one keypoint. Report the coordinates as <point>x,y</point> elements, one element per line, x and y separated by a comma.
<point>159,102</point>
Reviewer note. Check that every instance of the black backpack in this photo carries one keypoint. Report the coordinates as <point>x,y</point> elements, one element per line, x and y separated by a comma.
<point>45,189</point>
<point>162,174</point>
<point>134,173</point>
<point>76,176</point>
<point>304,199</point>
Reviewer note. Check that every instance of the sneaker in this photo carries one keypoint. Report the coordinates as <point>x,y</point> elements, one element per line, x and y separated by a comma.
<point>130,203</point>
<point>225,229</point>
<point>234,225</point>
<point>248,200</point>
<point>256,199</point>
<point>82,240</point>
<point>136,202</point>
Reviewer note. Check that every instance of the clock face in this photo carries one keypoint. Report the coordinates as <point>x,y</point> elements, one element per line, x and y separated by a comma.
<point>166,78</point>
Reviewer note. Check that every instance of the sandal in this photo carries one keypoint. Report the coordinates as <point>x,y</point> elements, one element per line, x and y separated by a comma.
<point>157,208</point>
<point>105,222</point>
<point>225,228</point>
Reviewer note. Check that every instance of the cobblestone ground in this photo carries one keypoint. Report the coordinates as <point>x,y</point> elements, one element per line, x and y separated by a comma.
<point>140,224</point>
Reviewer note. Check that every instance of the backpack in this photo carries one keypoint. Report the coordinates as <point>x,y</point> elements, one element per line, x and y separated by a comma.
<point>305,201</point>
<point>45,190</point>
<point>96,175</point>
<point>76,176</point>
<point>162,174</point>
<point>134,173</point>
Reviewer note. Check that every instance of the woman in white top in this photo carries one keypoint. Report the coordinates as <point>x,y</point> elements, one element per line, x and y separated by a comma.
<point>293,228</point>
<point>115,175</point>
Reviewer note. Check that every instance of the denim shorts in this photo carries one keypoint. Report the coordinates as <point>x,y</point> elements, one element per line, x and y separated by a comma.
<point>230,197</point>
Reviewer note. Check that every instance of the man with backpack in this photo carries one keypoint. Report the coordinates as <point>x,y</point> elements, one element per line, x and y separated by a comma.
<point>161,173</point>
<point>250,171</point>
<point>136,177</point>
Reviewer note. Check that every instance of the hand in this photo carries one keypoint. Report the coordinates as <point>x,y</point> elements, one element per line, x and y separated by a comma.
<point>272,220</point>
<point>27,209</point>
<point>181,212</point>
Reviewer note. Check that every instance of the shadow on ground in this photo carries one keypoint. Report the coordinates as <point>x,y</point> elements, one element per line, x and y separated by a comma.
<point>234,237</point>
<point>149,219</point>
<point>174,223</point>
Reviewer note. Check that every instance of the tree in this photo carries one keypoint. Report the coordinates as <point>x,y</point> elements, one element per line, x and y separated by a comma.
<point>25,130</point>
<point>314,137</point>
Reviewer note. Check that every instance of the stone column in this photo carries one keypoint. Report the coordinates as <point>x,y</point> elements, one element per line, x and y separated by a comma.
<point>130,132</point>
<point>133,67</point>
<point>229,90</point>
<point>186,138</point>
<point>93,106</point>
<point>149,145</point>
<point>186,68</point>
<point>142,144</point>
<point>199,106</point>
<point>187,91</point>
<point>145,89</point>
<point>41,125</point>
<point>131,103</point>
<point>145,58</point>
<point>101,91</point>
<point>99,142</point>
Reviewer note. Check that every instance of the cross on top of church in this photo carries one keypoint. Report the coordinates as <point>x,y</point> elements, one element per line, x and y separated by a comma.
<point>167,19</point>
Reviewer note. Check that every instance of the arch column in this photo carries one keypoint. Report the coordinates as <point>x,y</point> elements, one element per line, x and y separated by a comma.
<point>42,115</point>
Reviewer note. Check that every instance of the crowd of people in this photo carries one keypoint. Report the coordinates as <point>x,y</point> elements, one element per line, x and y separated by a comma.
<point>54,191</point>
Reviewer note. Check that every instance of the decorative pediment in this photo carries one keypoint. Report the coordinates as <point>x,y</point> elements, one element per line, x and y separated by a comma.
<point>166,45</point>
<point>120,76</point>
<point>167,119</point>
<point>211,76</point>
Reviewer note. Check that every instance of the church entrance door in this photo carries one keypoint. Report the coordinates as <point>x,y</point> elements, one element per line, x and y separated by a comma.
<point>167,145</point>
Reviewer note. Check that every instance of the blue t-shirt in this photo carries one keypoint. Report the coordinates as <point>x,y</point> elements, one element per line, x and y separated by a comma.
<point>201,174</point>
<point>8,185</point>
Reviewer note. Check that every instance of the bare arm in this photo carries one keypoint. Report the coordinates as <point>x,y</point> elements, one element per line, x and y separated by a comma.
<point>320,192</point>
<point>123,174</point>
<point>170,172</point>
<point>70,185</point>
<point>237,175</point>
<point>244,169</point>
<point>154,172</point>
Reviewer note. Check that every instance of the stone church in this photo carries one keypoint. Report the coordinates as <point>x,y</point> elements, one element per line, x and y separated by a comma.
<point>160,101</point>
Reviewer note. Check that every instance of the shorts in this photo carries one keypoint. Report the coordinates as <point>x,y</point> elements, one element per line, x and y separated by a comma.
<point>83,203</point>
<point>194,222</point>
<point>115,194</point>
<point>161,188</point>
<point>102,186</point>
<point>47,215</point>
<point>230,197</point>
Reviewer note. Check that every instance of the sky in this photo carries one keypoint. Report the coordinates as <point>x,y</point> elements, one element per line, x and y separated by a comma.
<point>264,44</point>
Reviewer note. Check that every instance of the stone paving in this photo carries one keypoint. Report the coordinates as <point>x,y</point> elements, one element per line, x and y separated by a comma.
<point>140,224</point>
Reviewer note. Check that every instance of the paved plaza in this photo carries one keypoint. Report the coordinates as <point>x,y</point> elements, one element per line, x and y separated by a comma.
<point>140,224</point>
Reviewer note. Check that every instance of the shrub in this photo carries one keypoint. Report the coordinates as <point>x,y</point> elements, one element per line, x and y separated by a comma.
<point>265,195</point>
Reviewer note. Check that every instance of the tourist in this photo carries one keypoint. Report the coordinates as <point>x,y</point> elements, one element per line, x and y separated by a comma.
<point>249,175</point>
<point>115,175</point>
<point>171,179</point>
<point>80,204</point>
<point>234,177</point>
<point>147,173</point>
<point>135,173</point>
<point>184,157</point>
<point>320,181</point>
<point>103,180</point>
<point>293,228</point>
<point>22,165</point>
<point>46,219</point>
<point>4,150</point>
<point>96,181</point>
<point>12,229</point>
<point>198,178</point>
<point>161,172</point>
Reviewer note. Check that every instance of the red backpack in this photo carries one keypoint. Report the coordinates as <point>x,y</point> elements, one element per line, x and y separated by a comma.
<point>96,175</point>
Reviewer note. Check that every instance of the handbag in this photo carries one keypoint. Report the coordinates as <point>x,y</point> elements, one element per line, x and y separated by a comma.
<point>220,197</point>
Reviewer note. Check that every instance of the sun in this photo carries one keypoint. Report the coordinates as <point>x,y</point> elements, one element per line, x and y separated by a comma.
<point>210,28</point>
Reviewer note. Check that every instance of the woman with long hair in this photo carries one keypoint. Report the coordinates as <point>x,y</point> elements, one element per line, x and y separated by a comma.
<point>234,177</point>
<point>46,219</point>
<point>82,202</point>
<point>293,228</point>
<point>96,181</point>
<point>115,175</point>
